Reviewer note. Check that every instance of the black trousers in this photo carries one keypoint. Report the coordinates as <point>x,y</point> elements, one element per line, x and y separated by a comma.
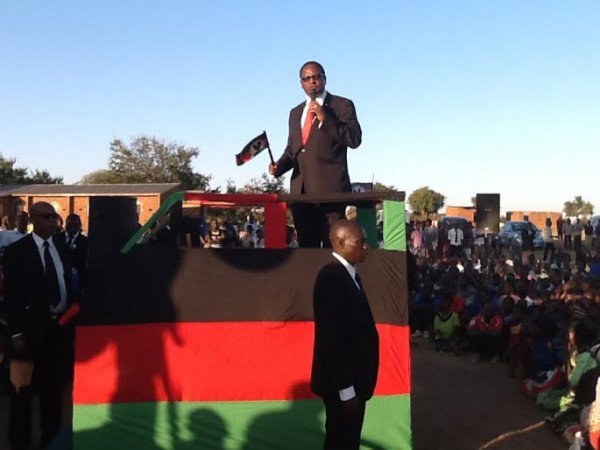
<point>52,371</point>
<point>312,222</point>
<point>342,430</point>
<point>548,248</point>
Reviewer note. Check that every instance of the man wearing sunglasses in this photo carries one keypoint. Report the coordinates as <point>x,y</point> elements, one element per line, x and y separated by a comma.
<point>38,290</point>
<point>321,129</point>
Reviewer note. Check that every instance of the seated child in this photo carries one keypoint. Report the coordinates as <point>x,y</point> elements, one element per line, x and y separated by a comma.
<point>582,377</point>
<point>484,333</point>
<point>445,327</point>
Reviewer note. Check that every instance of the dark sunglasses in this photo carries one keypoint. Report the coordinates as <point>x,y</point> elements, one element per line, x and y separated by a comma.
<point>317,77</point>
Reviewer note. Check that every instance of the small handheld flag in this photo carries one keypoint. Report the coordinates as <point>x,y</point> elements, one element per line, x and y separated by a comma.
<point>253,148</point>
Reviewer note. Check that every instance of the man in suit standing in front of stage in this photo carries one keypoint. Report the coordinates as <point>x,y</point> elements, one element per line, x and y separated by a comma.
<point>346,348</point>
<point>320,131</point>
<point>38,290</point>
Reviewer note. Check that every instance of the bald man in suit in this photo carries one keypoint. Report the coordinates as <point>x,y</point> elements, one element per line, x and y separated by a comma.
<point>38,290</point>
<point>346,347</point>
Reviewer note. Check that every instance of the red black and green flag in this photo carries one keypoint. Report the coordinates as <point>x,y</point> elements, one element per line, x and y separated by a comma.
<point>195,349</point>
<point>253,148</point>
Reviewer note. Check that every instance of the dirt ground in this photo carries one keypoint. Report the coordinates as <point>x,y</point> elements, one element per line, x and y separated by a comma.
<point>461,405</point>
<point>457,405</point>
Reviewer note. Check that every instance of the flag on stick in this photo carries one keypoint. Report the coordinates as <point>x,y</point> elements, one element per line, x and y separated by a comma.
<point>253,148</point>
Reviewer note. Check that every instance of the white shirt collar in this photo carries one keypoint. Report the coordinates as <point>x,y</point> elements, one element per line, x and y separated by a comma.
<point>73,238</point>
<point>39,241</point>
<point>320,99</point>
<point>349,267</point>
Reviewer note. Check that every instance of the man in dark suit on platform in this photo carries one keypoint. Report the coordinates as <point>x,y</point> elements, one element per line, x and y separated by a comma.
<point>320,131</point>
<point>346,348</point>
<point>38,290</point>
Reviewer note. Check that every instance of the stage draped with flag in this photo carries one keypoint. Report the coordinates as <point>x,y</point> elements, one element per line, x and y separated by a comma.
<point>185,349</point>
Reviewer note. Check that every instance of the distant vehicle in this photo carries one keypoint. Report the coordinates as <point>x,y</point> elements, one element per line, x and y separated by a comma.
<point>511,231</point>
<point>449,221</point>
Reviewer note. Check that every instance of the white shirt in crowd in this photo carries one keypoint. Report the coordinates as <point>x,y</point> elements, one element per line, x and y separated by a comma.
<point>10,237</point>
<point>455,236</point>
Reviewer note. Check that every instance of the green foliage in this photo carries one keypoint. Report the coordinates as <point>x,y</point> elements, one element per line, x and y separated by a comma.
<point>380,187</point>
<point>578,207</point>
<point>9,174</point>
<point>148,159</point>
<point>425,201</point>
<point>266,184</point>
<point>102,176</point>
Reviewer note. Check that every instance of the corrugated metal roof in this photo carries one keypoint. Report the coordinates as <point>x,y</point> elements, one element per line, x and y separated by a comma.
<point>7,189</point>
<point>92,189</point>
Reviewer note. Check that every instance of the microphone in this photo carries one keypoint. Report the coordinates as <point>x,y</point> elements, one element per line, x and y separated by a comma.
<point>313,96</point>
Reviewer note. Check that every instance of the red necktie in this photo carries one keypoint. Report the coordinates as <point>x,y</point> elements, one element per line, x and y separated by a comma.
<point>310,116</point>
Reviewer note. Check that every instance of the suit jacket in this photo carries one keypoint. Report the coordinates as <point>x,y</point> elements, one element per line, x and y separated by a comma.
<point>79,255</point>
<point>25,294</point>
<point>346,347</point>
<point>321,166</point>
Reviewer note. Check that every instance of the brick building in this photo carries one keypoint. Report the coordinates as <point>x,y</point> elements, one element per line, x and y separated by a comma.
<point>468,212</point>
<point>74,199</point>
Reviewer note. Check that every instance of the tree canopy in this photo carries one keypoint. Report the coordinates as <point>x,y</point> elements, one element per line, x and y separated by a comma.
<point>380,187</point>
<point>148,159</point>
<point>9,174</point>
<point>425,201</point>
<point>578,207</point>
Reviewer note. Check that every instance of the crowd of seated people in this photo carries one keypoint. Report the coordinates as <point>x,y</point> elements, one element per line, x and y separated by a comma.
<point>228,232</point>
<point>540,319</point>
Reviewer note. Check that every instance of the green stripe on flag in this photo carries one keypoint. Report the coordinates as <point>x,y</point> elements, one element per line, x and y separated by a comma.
<point>281,425</point>
<point>394,225</point>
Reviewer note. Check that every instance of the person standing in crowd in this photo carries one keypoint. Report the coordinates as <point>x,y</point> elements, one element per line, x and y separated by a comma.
<point>430,238</point>
<point>77,244</point>
<point>577,230</point>
<point>455,238</point>
<point>321,129</point>
<point>11,236</point>
<point>588,229</point>
<point>559,228</point>
<point>248,238</point>
<point>8,223</point>
<point>38,290</point>
<point>416,239</point>
<point>548,240</point>
<point>215,235</point>
<point>346,346</point>
<point>567,229</point>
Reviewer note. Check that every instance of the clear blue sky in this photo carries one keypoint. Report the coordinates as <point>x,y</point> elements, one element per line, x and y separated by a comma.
<point>462,96</point>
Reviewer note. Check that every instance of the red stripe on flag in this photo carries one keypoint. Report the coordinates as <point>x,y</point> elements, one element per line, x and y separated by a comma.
<point>213,361</point>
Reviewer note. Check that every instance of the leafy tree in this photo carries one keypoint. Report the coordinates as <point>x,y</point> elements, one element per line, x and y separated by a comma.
<point>578,207</point>
<point>265,185</point>
<point>43,177</point>
<point>231,187</point>
<point>102,176</point>
<point>150,160</point>
<point>9,174</point>
<point>380,187</point>
<point>425,201</point>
